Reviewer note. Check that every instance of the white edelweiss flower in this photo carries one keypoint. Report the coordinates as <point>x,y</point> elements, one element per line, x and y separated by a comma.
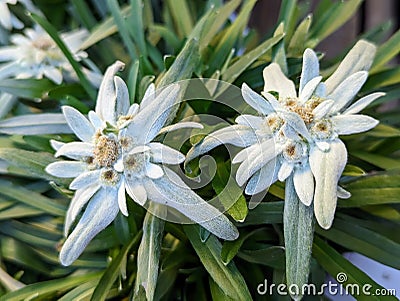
<point>34,54</point>
<point>296,134</point>
<point>117,154</point>
<point>323,106</point>
<point>7,19</point>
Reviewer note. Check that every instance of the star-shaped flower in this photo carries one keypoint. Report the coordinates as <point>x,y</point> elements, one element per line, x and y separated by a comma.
<point>118,154</point>
<point>296,134</point>
<point>35,55</point>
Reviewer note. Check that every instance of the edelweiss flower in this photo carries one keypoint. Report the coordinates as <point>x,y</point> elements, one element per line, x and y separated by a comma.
<point>117,154</point>
<point>297,134</point>
<point>35,54</point>
<point>8,20</point>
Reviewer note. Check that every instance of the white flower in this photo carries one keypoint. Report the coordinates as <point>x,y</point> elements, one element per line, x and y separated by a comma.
<point>117,153</point>
<point>35,55</point>
<point>8,20</point>
<point>297,133</point>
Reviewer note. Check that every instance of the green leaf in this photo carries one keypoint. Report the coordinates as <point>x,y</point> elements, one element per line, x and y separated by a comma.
<point>298,224</point>
<point>217,293</point>
<point>271,256</point>
<point>31,198</point>
<point>298,41</point>
<point>184,65</point>
<point>265,213</point>
<point>333,18</point>
<point>227,277</point>
<point>81,292</point>
<point>233,72</point>
<point>386,52</point>
<point>382,79</point>
<point>49,28</point>
<point>149,251</point>
<point>122,28</point>
<point>227,41</point>
<point>33,163</point>
<point>51,286</point>
<point>229,193</point>
<point>181,16</point>
<point>27,88</point>
<point>377,160</point>
<point>135,25</point>
<point>334,263</point>
<point>353,171</point>
<point>278,51</point>
<point>287,15</point>
<point>365,241</point>
<point>222,14</point>
<point>382,188</point>
<point>111,273</point>
<point>84,13</point>
<point>104,30</point>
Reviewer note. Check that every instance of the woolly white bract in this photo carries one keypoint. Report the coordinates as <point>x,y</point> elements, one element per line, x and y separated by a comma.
<point>35,55</point>
<point>296,134</point>
<point>117,154</point>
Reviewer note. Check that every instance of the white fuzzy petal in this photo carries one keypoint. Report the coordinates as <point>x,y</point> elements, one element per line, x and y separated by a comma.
<point>309,89</point>
<point>122,97</point>
<point>106,98</point>
<point>253,163</point>
<point>149,96</point>
<point>362,103</point>
<point>139,149</point>
<point>85,179</point>
<point>54,75</point>
<point>122,199</point>
<point>154,171</point>
<point>192,206</point>
<point>181,125</point>
<point>161,153</point>
<point>347,90</point>
<point>322,109</point>
<point>75,150</point>
<point>327,167</point>
<point>249,152</point>
<point>56,145</point>
<point>303,180</point>
<point>275,80</point>
<point>150,120</point>
<point>136,190</point>
<point>353,124</point>
<point>254,122</point>
<point>79,200</point>
<point>263,178</point>
<point>310,68</point>
<point>82,128</point>
<point>238,135</point>
<point>359,58</point>
<point>323,145</point>
<point>297,123</point>
<point>133,109</point>
<point>100,212</point>
<point>343,193</point>
<point>66,169</point>
<point>256,101</point>
<point>285,170</point>
<point>95,120</point>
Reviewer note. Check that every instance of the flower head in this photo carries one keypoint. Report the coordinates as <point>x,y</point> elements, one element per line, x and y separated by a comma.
<point>117,154</point>
<point>297,134</point>
<point>34,54</point>
<point>7,19</point>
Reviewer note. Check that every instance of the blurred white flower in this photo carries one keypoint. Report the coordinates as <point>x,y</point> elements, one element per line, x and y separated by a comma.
<point>117,154</point>
<point>296,134</point>
<point>7,19</point>
<point>35,55</point>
